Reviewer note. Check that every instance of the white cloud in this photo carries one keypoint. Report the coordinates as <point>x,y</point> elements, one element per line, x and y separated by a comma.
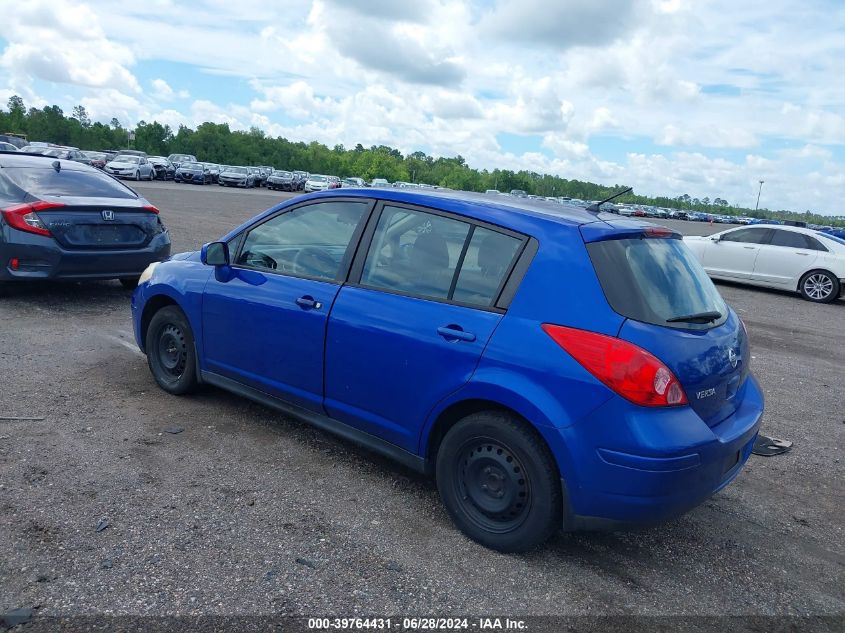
<point>163,92</point>
<point>670,96</point>
<point>63,43</point>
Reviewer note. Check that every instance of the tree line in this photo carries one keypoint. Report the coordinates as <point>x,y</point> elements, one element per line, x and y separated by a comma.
<point>217,143</point>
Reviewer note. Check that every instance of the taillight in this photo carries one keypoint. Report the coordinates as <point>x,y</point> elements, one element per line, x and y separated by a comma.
<point>150,208</point>
<point>23,216</point>
<point>627,369</point>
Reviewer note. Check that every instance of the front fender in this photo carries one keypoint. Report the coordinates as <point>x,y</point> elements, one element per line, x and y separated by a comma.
<point>182,282</point>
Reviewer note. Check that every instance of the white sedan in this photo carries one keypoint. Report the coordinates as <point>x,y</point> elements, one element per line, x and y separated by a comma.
<point>786,257</point>
<point>128,166</point>
<point>316,182</point>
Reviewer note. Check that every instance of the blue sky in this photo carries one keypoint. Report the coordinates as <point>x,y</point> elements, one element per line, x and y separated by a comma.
<point>669,96</point>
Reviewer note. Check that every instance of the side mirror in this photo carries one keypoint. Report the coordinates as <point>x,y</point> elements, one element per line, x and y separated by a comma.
<point>215,254</point>
<point>715,238</point>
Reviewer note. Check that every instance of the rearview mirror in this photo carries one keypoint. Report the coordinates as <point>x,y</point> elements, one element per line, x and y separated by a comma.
<point>215,254</point>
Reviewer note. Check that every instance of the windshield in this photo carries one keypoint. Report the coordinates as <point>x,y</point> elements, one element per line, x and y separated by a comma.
<point>236,170</point>
<point>318,178</point>
<point>656,281</point>
<point>126,159</point>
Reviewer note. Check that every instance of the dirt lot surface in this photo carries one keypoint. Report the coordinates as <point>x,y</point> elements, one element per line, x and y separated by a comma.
<point>247,512</point>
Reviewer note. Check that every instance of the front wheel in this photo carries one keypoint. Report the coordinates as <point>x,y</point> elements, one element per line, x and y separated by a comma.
<point>499,482</point>
<point>819,286</point>
<point>170,349</point>
<point>138,175</point>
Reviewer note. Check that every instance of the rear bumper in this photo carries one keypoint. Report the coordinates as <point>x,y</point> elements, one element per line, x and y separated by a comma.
<point>42,258</point>
<point>644,469</point>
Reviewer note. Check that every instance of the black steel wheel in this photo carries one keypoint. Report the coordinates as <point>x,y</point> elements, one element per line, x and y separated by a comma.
<point>171,355</point>
<point>499,482</point>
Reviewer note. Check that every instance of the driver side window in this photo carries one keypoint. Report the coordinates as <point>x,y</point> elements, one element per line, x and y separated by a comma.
<point>308,241</point>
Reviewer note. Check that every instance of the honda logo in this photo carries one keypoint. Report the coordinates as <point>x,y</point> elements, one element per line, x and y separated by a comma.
<point>108,216</point>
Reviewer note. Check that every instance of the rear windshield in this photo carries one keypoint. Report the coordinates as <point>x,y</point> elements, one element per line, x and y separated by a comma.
<point>655,280</point>
<point>67,182</point>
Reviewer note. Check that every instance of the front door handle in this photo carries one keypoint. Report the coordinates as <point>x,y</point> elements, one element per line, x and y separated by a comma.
<point>750,248</point>
<point>455,333</point>
<point>308,302</point>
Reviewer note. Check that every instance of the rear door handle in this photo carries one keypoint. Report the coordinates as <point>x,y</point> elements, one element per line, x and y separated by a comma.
<point>308,303</point>
<point>455,333</point>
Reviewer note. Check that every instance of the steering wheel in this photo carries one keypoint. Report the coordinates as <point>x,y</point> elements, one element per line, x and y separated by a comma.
<point>259,260</point>
<point>314,262</point>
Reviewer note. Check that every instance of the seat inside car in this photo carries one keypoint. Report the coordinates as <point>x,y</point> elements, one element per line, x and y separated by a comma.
<point>478,283</point>
<point>427,270</point>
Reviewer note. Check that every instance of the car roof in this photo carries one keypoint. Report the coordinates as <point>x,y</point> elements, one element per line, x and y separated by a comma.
<point>782,227</point>
<point>516,213</point>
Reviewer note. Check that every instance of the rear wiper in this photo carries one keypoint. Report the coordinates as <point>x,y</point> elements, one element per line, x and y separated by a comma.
<point>701,317</point>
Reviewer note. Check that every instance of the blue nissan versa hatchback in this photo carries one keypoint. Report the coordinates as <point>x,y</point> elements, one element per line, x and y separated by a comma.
<point>551,366</point>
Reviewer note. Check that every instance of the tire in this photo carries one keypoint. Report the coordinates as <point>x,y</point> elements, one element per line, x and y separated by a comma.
<point>499,482</point>
<point>152,176</point>
<point>129,283</point>
<point>138,176</point>
<point>171,355</point>
<point>819,286</point>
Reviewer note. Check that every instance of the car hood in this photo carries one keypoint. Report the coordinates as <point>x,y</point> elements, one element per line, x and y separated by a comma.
<point>193,256</point>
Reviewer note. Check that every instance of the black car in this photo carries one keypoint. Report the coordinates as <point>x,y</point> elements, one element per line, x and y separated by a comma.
<point>196,173</point>
<point>163,169</point>
<point>281,180</point>
<point>301,177</point>
<point>60,219</point>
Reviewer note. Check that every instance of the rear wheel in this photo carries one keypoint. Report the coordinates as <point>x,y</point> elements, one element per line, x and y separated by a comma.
<point>819,286</point>
<point>170,351</point>
<point>499,482</point>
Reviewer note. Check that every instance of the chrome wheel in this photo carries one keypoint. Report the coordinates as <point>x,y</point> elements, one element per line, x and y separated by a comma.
<point>818,286</point>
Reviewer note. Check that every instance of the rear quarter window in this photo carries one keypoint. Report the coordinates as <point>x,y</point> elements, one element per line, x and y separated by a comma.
<point>67,182</point>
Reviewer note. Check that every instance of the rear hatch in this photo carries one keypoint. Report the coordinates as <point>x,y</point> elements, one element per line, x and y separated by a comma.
<point>672,310</point>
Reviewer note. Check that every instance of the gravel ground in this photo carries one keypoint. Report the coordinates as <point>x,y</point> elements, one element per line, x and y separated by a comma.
<point>247,512</point>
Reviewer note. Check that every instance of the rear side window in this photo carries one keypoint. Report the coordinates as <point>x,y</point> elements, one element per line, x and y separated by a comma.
<point>415,253</point>
<point>436,257</point>
<point>655,280</point>
<point>795,240</point>
<point>67,182</point>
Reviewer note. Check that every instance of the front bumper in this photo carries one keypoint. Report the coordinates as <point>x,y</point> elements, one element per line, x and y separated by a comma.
<point>632,466</point>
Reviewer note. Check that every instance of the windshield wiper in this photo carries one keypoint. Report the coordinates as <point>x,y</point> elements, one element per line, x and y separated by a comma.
<point>701,317</point>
